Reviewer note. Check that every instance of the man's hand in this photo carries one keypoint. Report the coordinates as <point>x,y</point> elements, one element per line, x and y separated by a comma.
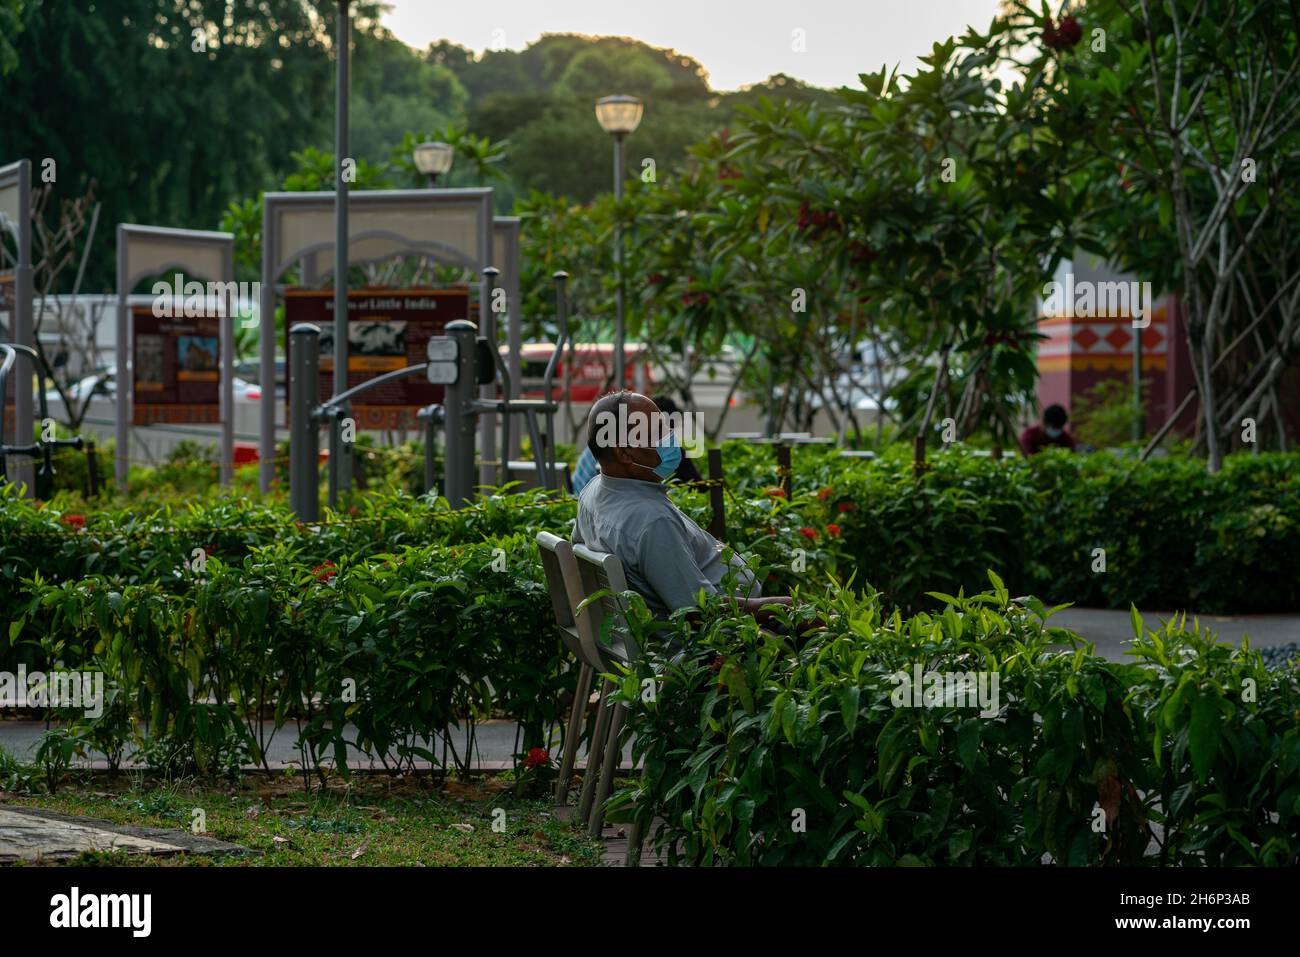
<point>765,609</point>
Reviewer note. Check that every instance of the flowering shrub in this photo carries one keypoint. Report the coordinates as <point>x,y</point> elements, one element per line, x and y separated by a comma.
<point>758,751</point>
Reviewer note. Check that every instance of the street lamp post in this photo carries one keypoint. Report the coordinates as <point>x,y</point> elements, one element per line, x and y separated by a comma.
<point>433,160</point>
<point>618,115</point>
<point>340,453</point>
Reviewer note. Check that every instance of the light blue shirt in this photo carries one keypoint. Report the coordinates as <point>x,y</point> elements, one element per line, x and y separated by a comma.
<point>666,557</point>
<point>584,471</point>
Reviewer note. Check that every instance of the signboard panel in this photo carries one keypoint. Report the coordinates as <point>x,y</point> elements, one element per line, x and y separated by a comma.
<point>177,369</point>
<point>388,329</point>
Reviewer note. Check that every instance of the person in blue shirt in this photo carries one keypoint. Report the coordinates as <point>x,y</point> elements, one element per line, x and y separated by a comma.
<point>587,467</point>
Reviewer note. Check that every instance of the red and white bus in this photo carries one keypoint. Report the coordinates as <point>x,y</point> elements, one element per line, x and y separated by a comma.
<point>592,370</point>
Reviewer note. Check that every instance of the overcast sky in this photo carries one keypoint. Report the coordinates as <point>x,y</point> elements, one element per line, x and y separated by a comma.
<point>738,41</point>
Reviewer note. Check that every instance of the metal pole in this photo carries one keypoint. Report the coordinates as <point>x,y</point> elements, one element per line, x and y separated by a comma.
<point>503,372</point>
<point>122,374</point>
<point>24,329</point>
<point>304,440</point>
<point>340,452</point>
<point>562,328</point>
<point>266,366</point>
<point>226,398</point>
<point>458,446</point>
<point>1139,412</point>
<point>620,364</point>
<point>514,335</point>
<point>430,470</point>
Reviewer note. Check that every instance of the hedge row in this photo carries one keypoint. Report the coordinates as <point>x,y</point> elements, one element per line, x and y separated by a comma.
<point>761,752</point>
<point>379,654</point>
<point>1171,535</point>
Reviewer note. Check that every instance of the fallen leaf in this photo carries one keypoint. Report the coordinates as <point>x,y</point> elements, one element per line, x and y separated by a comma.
<point>467,828</point>
<point>252,811</point>
<point>279,840</point>
<point>361,850</point>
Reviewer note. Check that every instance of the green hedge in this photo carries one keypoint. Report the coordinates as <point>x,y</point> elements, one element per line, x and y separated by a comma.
<point>758,753</point>
<point>398,647</point>
<point>1175,536</point>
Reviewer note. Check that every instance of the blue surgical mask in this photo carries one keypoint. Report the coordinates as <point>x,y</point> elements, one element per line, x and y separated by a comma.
<point>1053,433</point>
<point>670,456</point>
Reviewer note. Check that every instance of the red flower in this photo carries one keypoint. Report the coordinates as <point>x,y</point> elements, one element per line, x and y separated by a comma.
<point>1063,37</point>
<point>775,491</point>
<point>833,530</point>
<point>537,757</point>
<point>809,533</point>
<point>76,521</point>
<point>655,278</point>
<point>1070,30</point>
<point>847,507</point>
<point>825,493</point>
<point>324,572</point>
<point>860,253</point>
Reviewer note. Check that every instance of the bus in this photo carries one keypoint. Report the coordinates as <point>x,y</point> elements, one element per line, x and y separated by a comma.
<point>592,370</point>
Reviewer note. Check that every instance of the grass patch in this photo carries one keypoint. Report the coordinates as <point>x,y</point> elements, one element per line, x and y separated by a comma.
<point>361,822</point>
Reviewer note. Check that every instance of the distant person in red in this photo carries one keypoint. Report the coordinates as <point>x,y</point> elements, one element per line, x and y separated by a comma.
<point>1051,432</point>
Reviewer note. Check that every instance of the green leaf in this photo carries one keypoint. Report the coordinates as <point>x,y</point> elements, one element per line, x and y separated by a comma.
<point>849,699</point>
<point>1204,738</point>
<point>1136,620</point>
<point>968,741</point>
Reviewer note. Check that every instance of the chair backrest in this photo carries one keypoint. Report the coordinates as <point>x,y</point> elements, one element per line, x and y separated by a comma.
<point>603,572</point>
<point>565,587</point>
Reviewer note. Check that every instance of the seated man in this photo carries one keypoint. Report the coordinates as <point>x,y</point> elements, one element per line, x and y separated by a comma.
<point>625,510</point>
<point>587,467</point>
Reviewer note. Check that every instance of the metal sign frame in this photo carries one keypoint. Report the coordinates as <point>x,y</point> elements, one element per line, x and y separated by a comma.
<point>15,205</point>
<point>381,224</point>
<point>144,251</point>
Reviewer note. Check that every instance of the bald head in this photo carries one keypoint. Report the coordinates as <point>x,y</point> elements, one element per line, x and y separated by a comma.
<point>622,429</point>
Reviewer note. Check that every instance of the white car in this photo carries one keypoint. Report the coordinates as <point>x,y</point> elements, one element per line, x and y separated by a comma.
<point>104,384</point>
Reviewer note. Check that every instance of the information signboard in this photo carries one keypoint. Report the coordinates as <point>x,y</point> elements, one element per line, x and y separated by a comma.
<point>177,369</point>
<point>388,329</point>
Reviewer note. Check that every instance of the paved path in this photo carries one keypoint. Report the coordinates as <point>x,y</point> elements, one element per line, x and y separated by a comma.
<point>1112,633</point>
<point>35,834</point>
<point>494,747</point>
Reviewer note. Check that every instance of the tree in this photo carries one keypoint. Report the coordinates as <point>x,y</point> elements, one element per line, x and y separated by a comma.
<point>1192,116</point>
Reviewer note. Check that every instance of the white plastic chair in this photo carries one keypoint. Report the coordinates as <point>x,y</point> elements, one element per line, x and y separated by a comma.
<point>565,588</point>
<point>603,623</point>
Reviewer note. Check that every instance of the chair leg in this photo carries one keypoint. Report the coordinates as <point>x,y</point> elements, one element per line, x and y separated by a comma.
<point>608,765</point>
<point>572,734</point>
<point>634,839</point>
<point>595,749</point>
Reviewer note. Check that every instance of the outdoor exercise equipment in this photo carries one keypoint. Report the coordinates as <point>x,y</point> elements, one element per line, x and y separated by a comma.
<point>44,484</point>
<point>449,226</point>
<point>463,362</point>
